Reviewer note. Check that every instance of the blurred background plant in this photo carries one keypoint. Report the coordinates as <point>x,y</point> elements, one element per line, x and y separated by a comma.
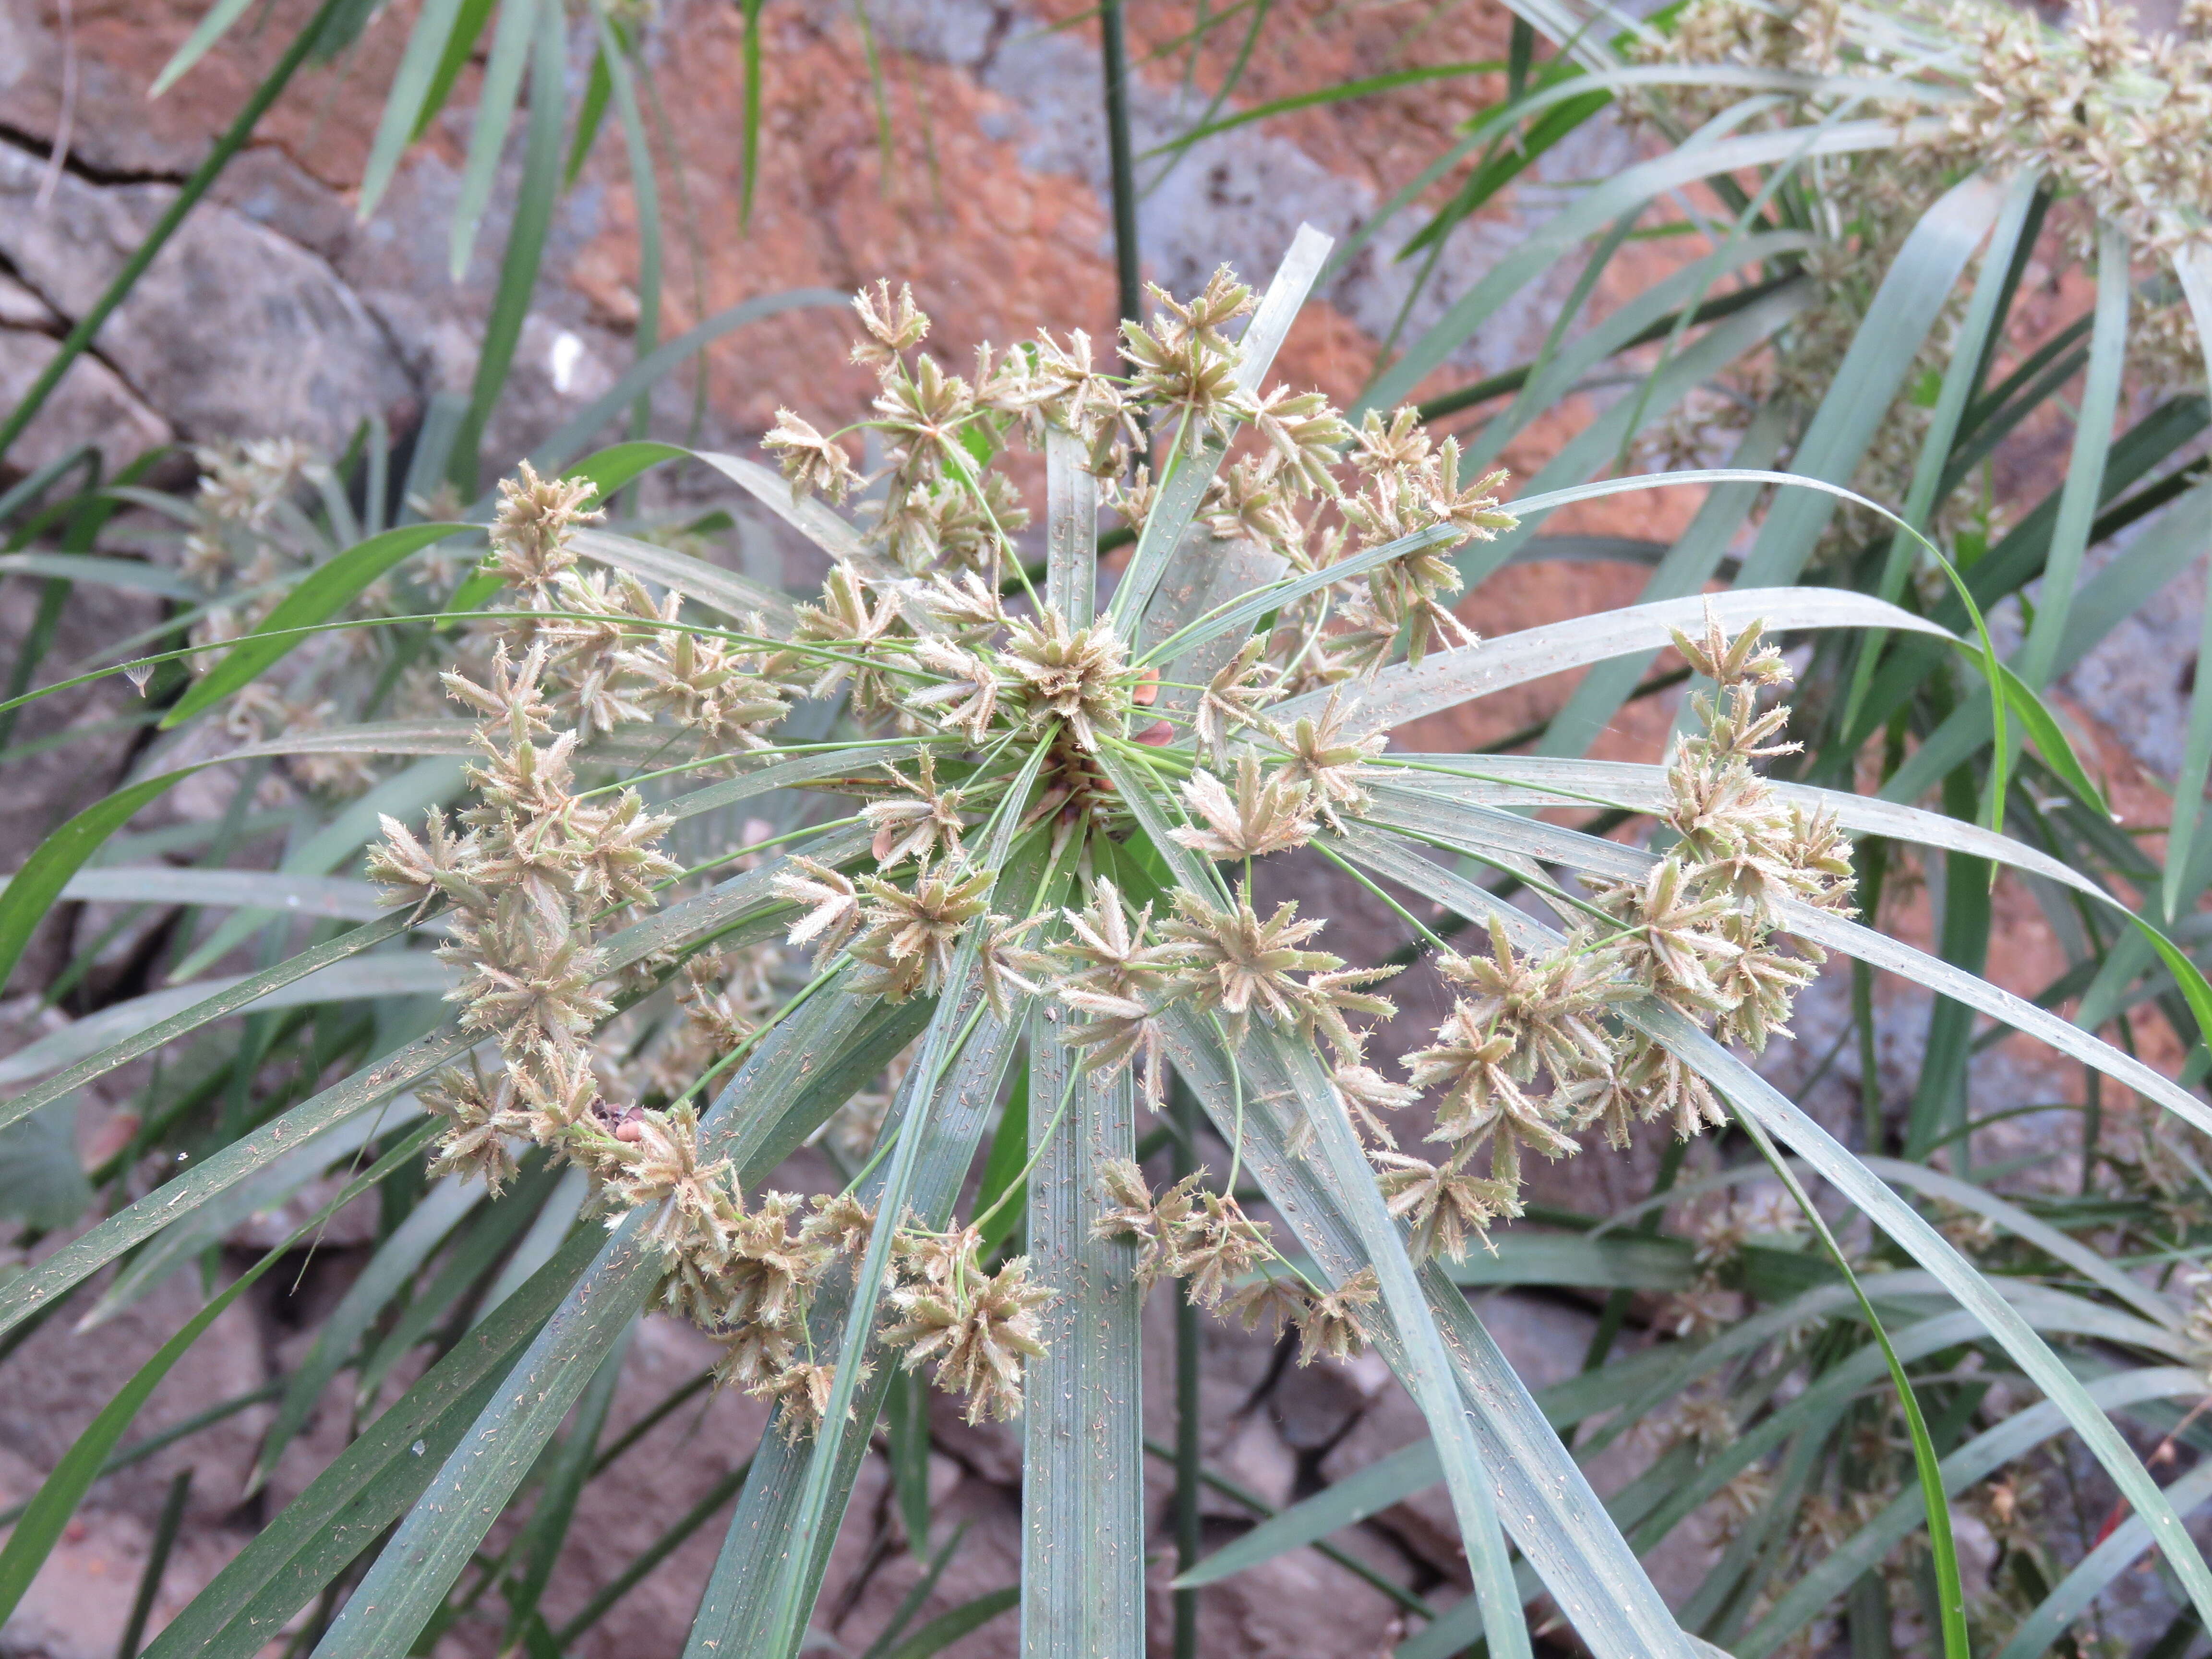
<point>270,336</point>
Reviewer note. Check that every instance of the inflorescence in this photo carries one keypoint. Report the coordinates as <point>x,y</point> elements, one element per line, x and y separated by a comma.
<point>918,638</point>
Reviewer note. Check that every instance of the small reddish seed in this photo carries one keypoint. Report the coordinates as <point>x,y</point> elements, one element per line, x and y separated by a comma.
<point>1159,734</point>
<point>1148,690</point>
<point>630,1129</point>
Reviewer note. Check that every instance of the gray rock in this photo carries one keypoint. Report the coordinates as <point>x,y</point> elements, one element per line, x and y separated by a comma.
<point>92,406</point>
<point>233,331</point>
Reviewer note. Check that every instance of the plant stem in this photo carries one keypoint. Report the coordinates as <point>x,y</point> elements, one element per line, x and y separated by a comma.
<point>1615,1312</point>
<point>1114,51</point>
<point>157,1563</point>
<point>1183,1154</point>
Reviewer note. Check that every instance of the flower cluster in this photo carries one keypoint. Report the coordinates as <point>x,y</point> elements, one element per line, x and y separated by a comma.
<point>977,1327</point>
<point>528,876</point>
<point>2109,118</point>
<point>1228,1262</point>
<point>917,634</point>
<point>1703,932</point>
<point>1531,1052</point>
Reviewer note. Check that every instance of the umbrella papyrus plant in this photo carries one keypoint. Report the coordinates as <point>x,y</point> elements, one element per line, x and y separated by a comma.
<point>1052,798</point>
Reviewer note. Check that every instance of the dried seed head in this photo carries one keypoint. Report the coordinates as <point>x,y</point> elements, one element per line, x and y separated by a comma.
<point>1076,674</point>
<point>1331,1323</point>
<point>893,326</point>
<point>977,1329</point>
<point>530,533</point>
<point>1269,813</point>
<point>815,464</point>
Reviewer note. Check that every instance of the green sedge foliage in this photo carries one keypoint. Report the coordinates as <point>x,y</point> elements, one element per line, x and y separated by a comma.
<point>1814,1392</point>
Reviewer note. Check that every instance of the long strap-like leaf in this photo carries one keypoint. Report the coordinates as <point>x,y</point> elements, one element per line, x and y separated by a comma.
<point>1914,293</point>
<point>370,1484</point>
<point>1444,679</point>
<point>1542,781</point>
<point>765,1539</point>
<point>88,1253</point>
<point>1071,525</point>
<point>1083,1465</point>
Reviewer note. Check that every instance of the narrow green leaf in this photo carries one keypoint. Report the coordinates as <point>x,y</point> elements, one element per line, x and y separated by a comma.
<point>1071,581</point>
<point>2195,270</point>
<point>318,597</point>
<point>1942,1546</point>
<point>32,891</point>
<point>764,1541</point>
<point>132,576</point>
<point>460,48</point>
<point>1424,1364</point>
<point>2064,1393</point>
<point>42,1184</point>
<point>194,1015</point>
<point>1083,1468</point>
<point>495,99</point>
<point>403,103</point>
<point>749,152</point>
<point>2017,1436</point>
<point>615,54</point>
<point>36,1533</point>
<point>410,1577</point>
<point>387,1272</point>
<point>348,1506</point>
<point>1914,293</point>
<point>2041,728</point>
<point>248,1155</point>
<point>906,1423</point>
<point>1486,832</point>
<point>591,116</point>
<point>571,1460</point>
<point>917,1143</point>
<point>2032,1230</point>
<point>2085,466</point>
<point>1544,781</point>
<point>618,464</point>
<point>338,897</point>
<point>469,1261</point>
<point>535,197</point>
<point>2022,213</point>
<point>210,30</point>
<point>386,973</point>
<point>368,737</point>
<point>1367,86</point>
<point>1602,204</point>
<point>1387,1481</point>
<point>942,1631</point>
<point>734,595</point>
<point>1444,679</point>
<point>1614,1262</point>
<point>2073,1595</point>
<point>1542,1497</point>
